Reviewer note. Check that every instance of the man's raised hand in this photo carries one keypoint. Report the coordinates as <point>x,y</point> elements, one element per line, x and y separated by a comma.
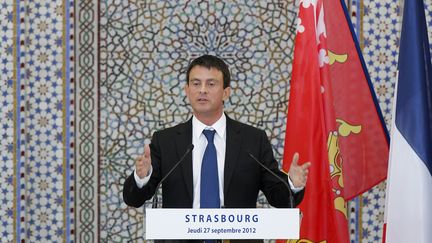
<point>143,163</point>
<point>298,173</point>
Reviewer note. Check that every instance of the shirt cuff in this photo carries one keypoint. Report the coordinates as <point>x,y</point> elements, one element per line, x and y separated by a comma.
<point>293,188</point>
<point>142,182</point>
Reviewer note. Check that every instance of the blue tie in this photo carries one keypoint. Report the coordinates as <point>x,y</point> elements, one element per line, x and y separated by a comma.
<point>209,174</point>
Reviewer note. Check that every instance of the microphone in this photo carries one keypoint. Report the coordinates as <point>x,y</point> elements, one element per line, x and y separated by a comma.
<point>155,197</point>
<point>291,198</point>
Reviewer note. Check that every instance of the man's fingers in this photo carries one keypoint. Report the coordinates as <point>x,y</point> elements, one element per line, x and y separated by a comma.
<point>139,161</point>
<point>306,165</point>
<point>299,173</point>
<point>147,151</point>
<point>295,159</point>
<point>143,162</point>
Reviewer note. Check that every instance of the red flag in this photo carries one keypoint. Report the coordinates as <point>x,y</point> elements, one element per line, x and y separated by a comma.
<point>311,128</point>
<point>363,138</point>
<point>332,121</point>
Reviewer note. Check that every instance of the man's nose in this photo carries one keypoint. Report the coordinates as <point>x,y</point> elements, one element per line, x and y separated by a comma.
<point>203,88</point>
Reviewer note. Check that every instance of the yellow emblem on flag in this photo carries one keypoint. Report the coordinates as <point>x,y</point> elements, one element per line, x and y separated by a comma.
<point>333,57</point>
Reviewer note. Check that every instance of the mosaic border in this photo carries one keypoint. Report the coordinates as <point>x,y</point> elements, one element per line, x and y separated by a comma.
<point>86,113</point>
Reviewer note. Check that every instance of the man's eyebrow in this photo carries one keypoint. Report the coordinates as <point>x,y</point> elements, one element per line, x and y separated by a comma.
<point>206,80</point>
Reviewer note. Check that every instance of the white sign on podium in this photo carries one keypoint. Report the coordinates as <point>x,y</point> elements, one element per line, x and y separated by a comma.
<point>252,223</point>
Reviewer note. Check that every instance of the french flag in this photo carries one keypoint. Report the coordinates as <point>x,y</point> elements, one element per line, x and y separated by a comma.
<point>408,215</point>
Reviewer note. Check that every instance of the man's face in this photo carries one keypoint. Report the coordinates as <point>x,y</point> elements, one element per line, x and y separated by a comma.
<point>206,93</point>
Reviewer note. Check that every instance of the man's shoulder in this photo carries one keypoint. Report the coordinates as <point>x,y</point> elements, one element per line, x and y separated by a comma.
<point>184,126</point>
<point>240,126</point>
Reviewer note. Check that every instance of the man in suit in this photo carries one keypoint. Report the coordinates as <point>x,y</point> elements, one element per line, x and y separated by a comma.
<point>238,179</point>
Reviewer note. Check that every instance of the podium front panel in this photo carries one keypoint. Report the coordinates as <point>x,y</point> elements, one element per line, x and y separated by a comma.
<point>263,223</point>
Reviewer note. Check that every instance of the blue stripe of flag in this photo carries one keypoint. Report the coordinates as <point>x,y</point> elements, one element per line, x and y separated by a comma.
<point>414,97</point>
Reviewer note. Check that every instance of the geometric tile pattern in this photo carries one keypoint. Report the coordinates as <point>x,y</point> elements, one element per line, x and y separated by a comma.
<point>380,24</point>
<point>428,12</point>
<point>36,109</point>
<point>8,187</point>
<point>145,51</point>
<point>46,114</point>
<point>86,113</point>
<point>80,93</point>
<point>49,176</point>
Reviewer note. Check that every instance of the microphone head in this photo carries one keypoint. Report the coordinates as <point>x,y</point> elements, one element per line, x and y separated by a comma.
<point>250,154</point>
<point>190,147</point>
<point>246,150</point>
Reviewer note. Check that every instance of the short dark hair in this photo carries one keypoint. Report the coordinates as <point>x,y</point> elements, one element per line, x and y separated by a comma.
<point>210,61</point>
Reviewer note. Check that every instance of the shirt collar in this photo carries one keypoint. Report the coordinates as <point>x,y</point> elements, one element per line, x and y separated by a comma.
<point>220,126</point>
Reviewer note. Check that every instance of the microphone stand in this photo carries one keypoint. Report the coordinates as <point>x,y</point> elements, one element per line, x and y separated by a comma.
<point>155,197</point>
<point>291,198</point>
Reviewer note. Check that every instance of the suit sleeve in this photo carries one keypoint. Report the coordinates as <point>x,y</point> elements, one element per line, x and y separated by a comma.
<point>136,197</point>
<point>276,192</point>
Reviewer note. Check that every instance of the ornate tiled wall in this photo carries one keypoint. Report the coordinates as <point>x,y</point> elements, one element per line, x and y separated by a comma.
<point>379,39</point>
<point>146,50</point>
<point>37,115</point>
<point>8,134</point>
<point>83,84</point>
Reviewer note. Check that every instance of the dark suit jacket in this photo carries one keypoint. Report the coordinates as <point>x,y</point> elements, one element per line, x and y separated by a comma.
<point>243,177</point>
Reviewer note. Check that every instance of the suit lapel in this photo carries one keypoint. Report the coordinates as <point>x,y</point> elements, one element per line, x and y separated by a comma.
<point>233,141</point>
<point>183,140</point>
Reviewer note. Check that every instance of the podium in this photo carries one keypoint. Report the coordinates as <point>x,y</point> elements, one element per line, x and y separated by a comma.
<point>223,223</point>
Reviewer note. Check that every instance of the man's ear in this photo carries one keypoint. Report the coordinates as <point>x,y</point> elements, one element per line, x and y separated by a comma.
<point>227,93</point>
<point>186,89</point>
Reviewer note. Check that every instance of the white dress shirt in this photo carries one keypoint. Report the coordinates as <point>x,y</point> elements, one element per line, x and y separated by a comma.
<point>200,143</point>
